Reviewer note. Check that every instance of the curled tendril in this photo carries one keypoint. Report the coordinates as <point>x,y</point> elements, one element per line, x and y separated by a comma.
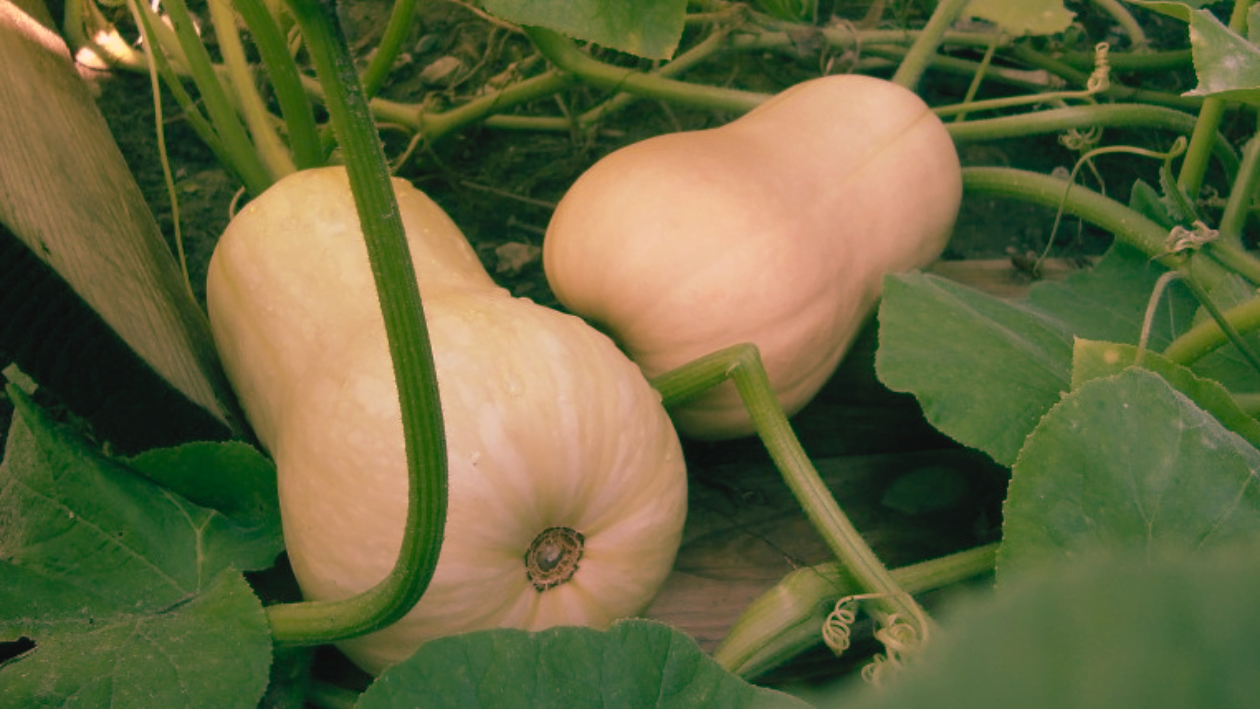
<point>1081,141</point>
<point>838,626</point>
<point>1100,79</point>
<point>1182,239</point>
<point>899,637</point>
<point>900,640</point>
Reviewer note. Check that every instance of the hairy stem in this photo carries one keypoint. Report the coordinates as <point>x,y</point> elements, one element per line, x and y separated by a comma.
<point>222,110</point>
<point>273,152</point>
<point>742,364</point>
<point>563,53</point>
<point>925,46</point>
<point>286,82</point>
<point>321,622</point>
<point>1194,166</point>
<point>787,619</point>
<point>389,47</point>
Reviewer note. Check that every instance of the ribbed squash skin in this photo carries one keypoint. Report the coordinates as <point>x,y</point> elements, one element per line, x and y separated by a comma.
<point>776,229</point>
<point>548,424</point>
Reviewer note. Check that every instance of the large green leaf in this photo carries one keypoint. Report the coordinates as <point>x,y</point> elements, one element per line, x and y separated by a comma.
<point>647,28</point>
<point>1110,632</point>
<point>986,370</point>
<point>1021,17</point>
<point>1179,10</point>
<point>1094,360</point>
<point>211,652</point>
<point>635,664</point>
<point>66,192</point>
<point>233,478</point>
<point>1128,462</point>
<point>1227,64</point>
<point>131,594</point>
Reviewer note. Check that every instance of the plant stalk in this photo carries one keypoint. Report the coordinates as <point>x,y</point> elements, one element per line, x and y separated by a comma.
<point>925,45</point>
<point>286,81</point>
<point>1194,165</point>
<point>388,252</point>
<point>565,55</point>
<point>787,619</point>
<point>742,364</point>
<point>1126,224</point>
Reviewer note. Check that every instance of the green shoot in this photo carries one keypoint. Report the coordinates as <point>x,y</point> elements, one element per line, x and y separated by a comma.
<point>322,622</point>
<point>891,605</point>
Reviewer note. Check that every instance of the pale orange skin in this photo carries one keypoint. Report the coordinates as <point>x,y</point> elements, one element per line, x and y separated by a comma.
<point>776,229</point>
<point>547,423</point>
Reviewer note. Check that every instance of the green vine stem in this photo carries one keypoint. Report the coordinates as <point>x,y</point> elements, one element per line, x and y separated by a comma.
<point>1234,257</point>
<point>1126,224</point>
<point>1202,339</point>
<point>1227,328</point>
<point>434,126</point>
<point>267,144</point>
<point>787,619</point>
<point>742,364</point>
<point>704,49</point>
<point>221,109</point>
<point>286,82</point>
<point>1029,81</point>
<point>1194,166</point>
<point>1242,194</point>
<point>389,47</point>
<point>1134,62</point>
<point>1124,18</point>
<point>1117,92</point>
<point>566,56</point>
<point>1103,115</point>
<point>156,50</point>
<point>321,622</point>
<point>924,48</point>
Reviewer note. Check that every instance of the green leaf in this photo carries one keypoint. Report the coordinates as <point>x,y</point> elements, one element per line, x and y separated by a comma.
<point>1227,64</point>
<point>635,664</point>
<point>1128,462</point>
<point>1144,200</point>
<point>1021,17</point>
<point>233,478</point>
<point>1095,360</point>
<point>211,652</point>
<point>647,28</point>
<point>1175,10</point>
<point>130,593</point>
<point>1115,632</point>
<point>986,370</point>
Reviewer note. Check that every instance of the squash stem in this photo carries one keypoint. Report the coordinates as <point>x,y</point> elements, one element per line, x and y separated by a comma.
<point>1126,224</point>
<point>321,622</point>
<point>742,364</point>
<point>563,53</point>
<point>925,45</point>
<point>387,50</point>
<point>220,107</point>
<point>1119,115</point>
<point>286,82</point>
<point>273,152</point>
<point>787,619</point>
<point>1194,164</point>
<point>1195,343</point>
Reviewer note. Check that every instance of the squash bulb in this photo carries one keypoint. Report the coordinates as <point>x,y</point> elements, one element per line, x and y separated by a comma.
<point>775,229</point>
<point>567,491</point>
